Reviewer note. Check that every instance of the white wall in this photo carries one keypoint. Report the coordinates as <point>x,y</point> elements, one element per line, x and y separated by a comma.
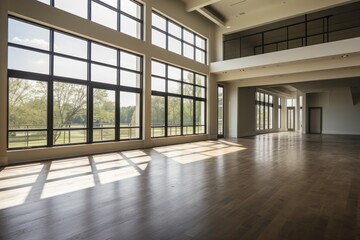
<point>33,10</point>
<point>340,116</point>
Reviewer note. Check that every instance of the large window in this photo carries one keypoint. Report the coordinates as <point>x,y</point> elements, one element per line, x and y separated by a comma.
<point>264,111</point>
<point>171,36</point>
<point>178,101</point>
<point>68,90</point>
<point>279,112</point>
<point>125,16</point>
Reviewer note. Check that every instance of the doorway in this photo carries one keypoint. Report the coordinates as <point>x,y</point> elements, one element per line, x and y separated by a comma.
<point>291,118</point>
<point>315,120</point>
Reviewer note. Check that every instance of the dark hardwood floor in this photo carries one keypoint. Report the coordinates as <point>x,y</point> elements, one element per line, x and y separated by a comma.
<point>274,186</point>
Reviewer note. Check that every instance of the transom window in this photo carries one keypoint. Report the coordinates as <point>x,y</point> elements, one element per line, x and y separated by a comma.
<point>178,103</point>
<point>171,36</point>
<point>69,90</point>
<point>125,16</point>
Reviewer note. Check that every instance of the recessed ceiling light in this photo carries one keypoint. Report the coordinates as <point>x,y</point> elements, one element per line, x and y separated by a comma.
<point>344,56</point>
<point>228,27</point>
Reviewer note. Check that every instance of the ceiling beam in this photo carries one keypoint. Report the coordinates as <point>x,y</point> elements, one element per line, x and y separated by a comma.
<point>211,17</point>
<point>192,5</point>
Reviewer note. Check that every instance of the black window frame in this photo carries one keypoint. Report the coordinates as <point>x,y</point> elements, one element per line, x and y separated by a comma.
<point>90,85</point>
<point>262,107</point>
<point>194,98</point>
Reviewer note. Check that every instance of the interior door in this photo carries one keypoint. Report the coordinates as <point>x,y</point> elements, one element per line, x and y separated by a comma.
<point>291,118</point>
<point>315,120</point>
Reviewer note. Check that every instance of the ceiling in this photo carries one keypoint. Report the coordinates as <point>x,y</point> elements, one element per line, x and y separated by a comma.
<point>236,15</point>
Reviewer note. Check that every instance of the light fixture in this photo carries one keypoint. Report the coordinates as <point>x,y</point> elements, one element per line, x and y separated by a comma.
<point>344,56</point>
<point>228,27</point>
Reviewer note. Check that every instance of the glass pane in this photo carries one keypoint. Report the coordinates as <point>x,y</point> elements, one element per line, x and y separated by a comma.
<point>26,60</point>
<point>158,68</point>
<point>200,42</point>
<point>174,87</point>
<point>77,70</point>
<point>174,115</point>
<point>189,36</point>
<point>174,29</point>
<point>200,113</point>
<point>70,106</point>
<point>69,137</point>
<point>188,113</point>
<point>103,135</point>
<point>157,116</point>
<point>158,21</point>
<point>158,39</point>
<point>174,45</point>
<point>188,90</point>
<point>103,54</point>
<point>174,73</point>
<point>103,108</point>
<point>68,45</point>
<point>27,104</point>
<point>78,7</point>
<point>130,26</point>
<point>200,92</point>
<point>129,133</point>
<point>104,15</point>
<point>200,56</point>
<point>188,76</point>
<point>220,113</point>
<point>103,74</point>
<point>129,109</point>
<point>129,79</point>
<point>27,139</point>
<point>113,3</point>
<point>130,61</point>
<point>200,80</point>
<point>131,8</point>
<point>157,84</point>
<point>28,35</point>
<point>188,51</point>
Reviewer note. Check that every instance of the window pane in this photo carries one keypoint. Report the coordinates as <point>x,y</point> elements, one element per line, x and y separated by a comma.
<point>189,37</point>
<point>103,74</point>
<point>200,42</point>
<point>104,16</point>
<point>27,139</point>
<point>68,45</point>
<point>174,116</point>
<point>174,87</point>
<point>200,80</point>
<point>129,79</point>
<point>188,51</point>
<point>103,108</point>
<point>28,35</point>
<point>188,76</point>
<point>103,135</point>
<point>200,116</point>
<point>78,7</point>
<point>27,104</point>
<point>30,61</point>
<point>129,133</point>
<point>69,137</point>
<point>130,61</point>
<point>77,70</point>
<point>188,115</point>
<point>157,116</point>
<point>200,92</point>
<point>174,73</point>
<point>129,109</point>
<point>174,29</point>
<point>158,21</point>
<point>103,54</point>
<point>70,106</point>
<point>200,56</point>
<point>130,26</point>
<point>158,68</point>
<point>174,45</point>
<point>188,90</point>
<point>157,84</point>
<point>158,38</point>
<point>130,7</point>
